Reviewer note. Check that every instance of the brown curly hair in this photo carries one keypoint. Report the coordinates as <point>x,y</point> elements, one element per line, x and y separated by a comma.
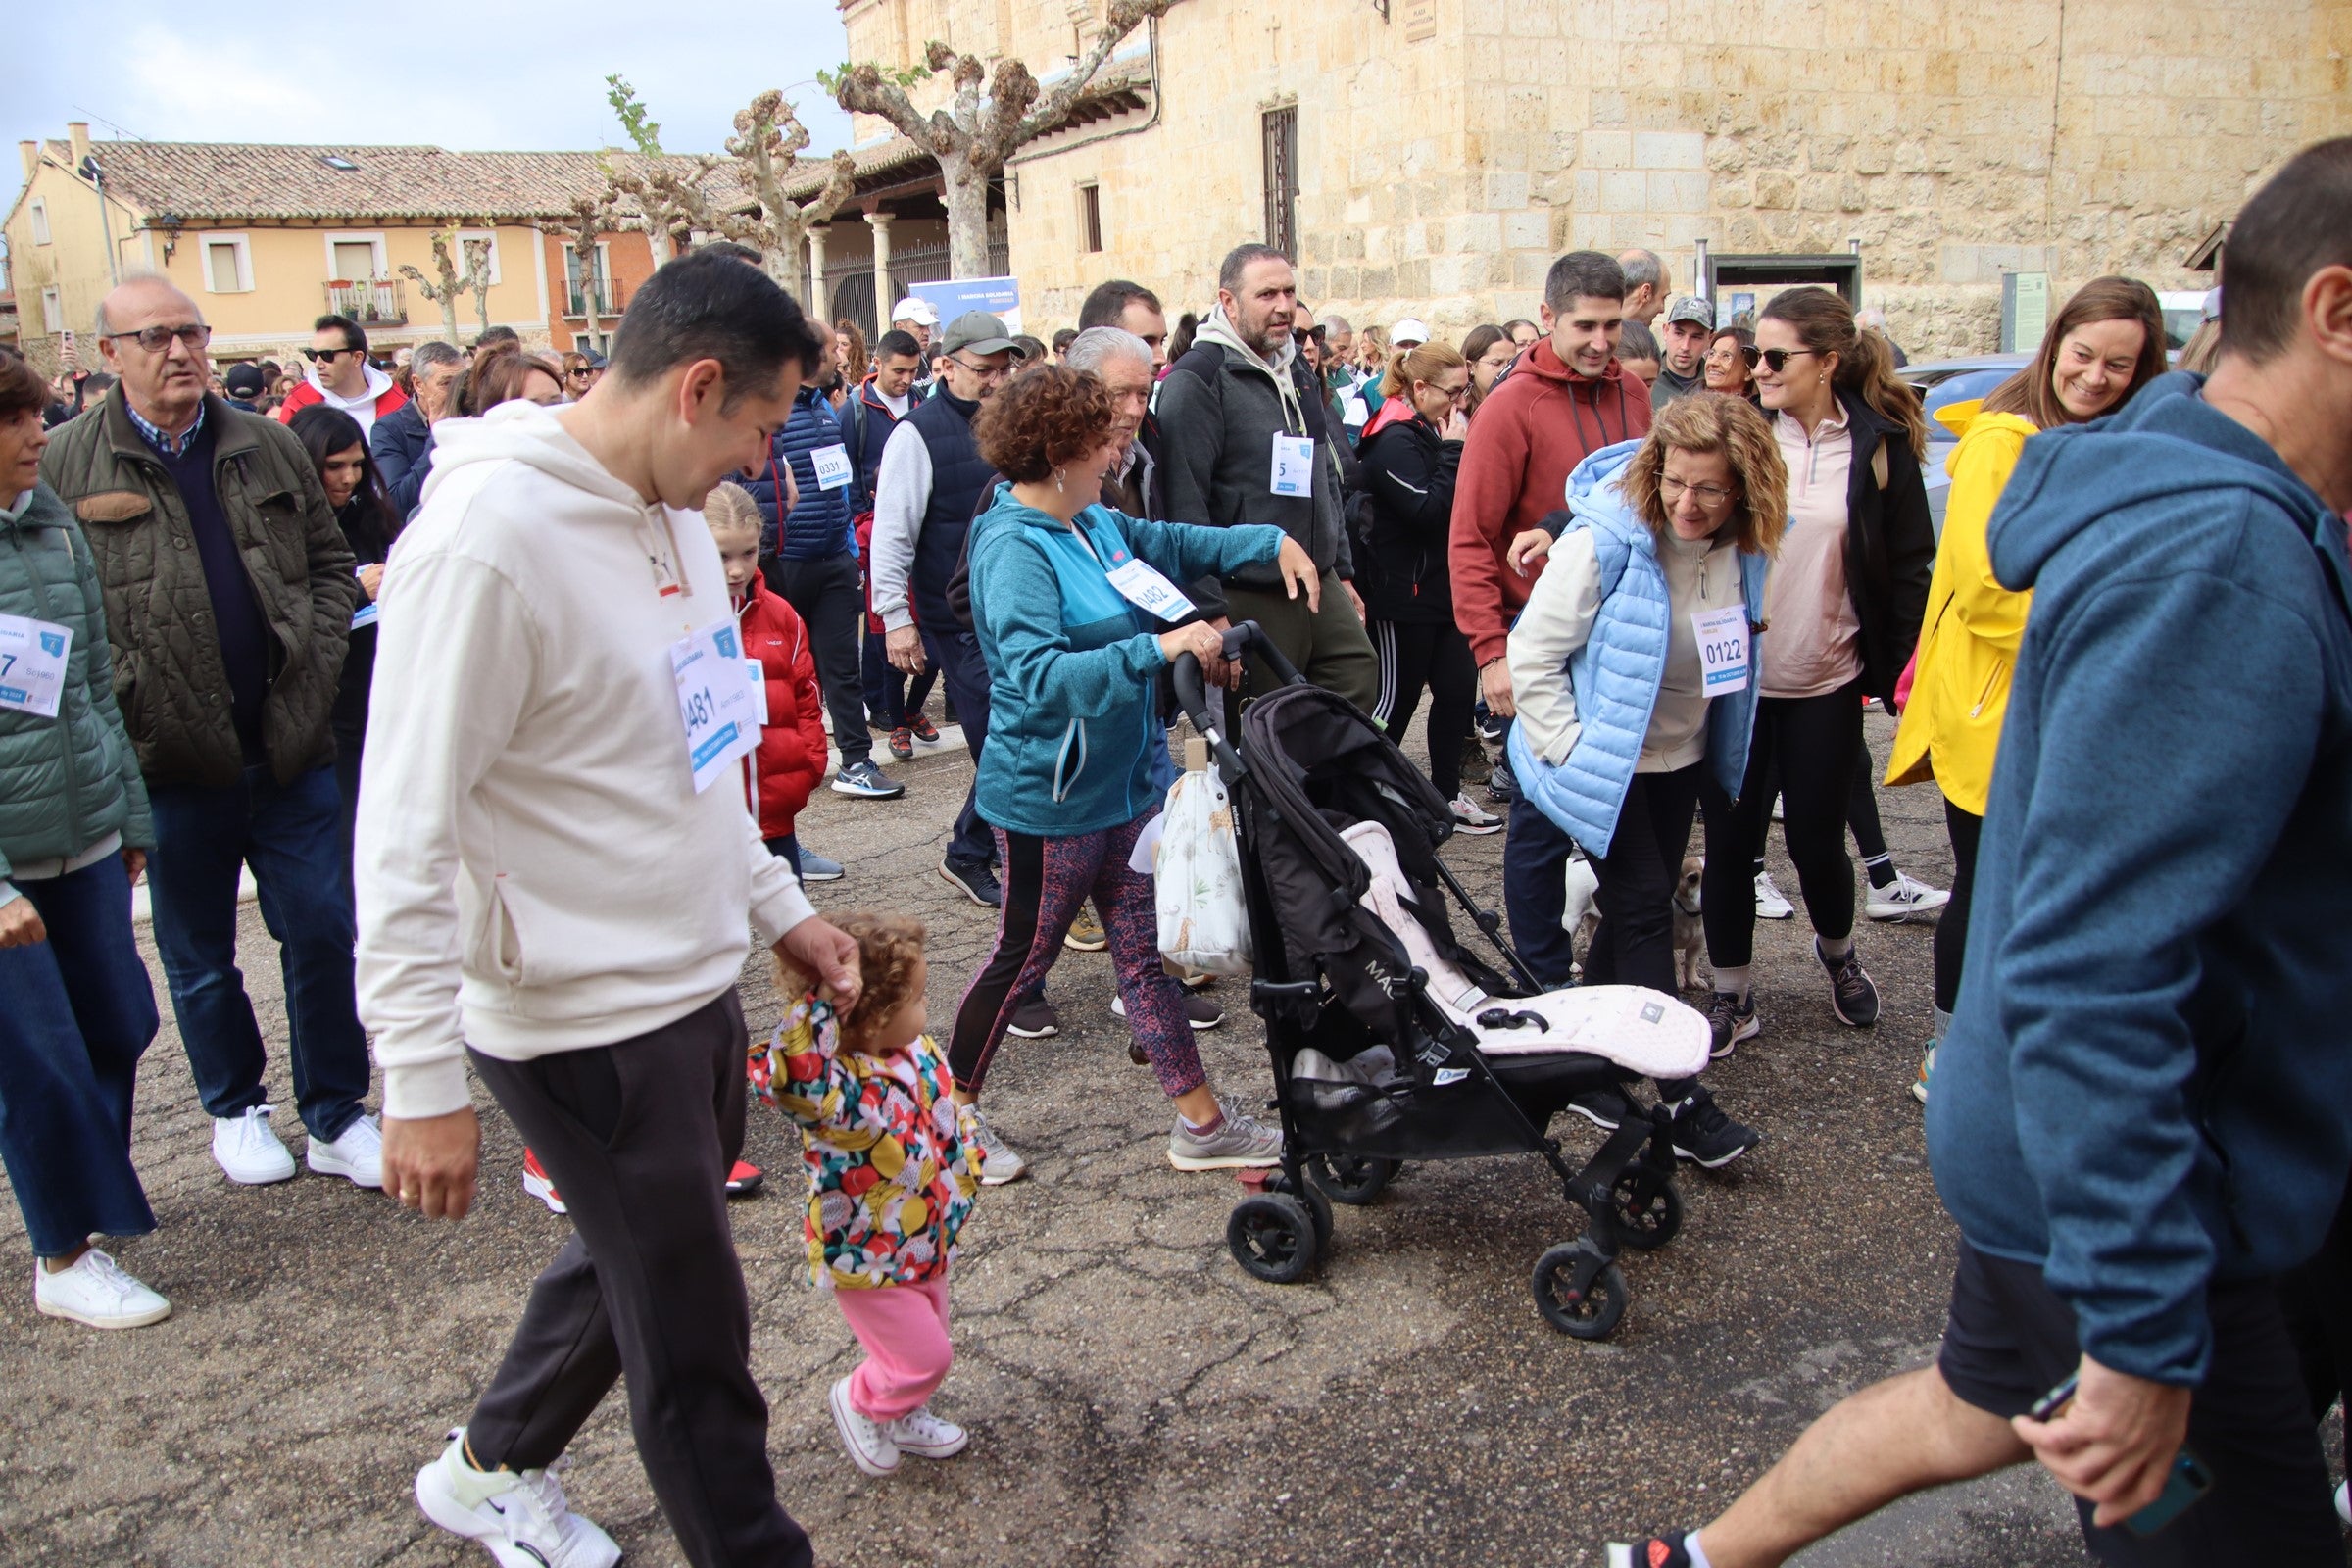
<point>1046,415</point>
<point>1715,421</point>
<point>888,947</point>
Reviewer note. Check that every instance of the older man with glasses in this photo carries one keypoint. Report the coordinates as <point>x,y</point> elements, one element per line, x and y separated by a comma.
<point>341,376</point>
<point>229,593</point>
<point>402,441</point>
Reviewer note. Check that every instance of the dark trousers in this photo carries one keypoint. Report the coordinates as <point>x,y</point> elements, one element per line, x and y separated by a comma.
<point>957,657</point>
<point>1861,814</point>
<point>1812,740</point>
<point>351,737</point>
<point>1327,646</point>
<point>788,850</point>
<point>1634,945</point>
<point>830,599</point>
<point>1534,893</point>
<point>292,837</point>
<point>893,697</point>
<point>1951,928</point>
<point>77,1012</point>
<point>639,1137</point>
<point>1412,655</point>
<point>2317,1297</point>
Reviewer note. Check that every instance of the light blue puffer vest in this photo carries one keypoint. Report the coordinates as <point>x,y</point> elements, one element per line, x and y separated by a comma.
<point>1615,675</point>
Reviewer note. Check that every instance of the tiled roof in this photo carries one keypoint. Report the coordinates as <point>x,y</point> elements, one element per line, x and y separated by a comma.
<point>261,180</point>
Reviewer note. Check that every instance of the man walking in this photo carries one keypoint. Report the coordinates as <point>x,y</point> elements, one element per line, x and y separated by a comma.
<point>2142,1113</point>
<point>229,593</point>
<point>1131,307</point>
<point>341,376</point>
<point>1645,285</point>
<point>874,409</point>
<point>557,872</point>
<point>924,497</point>
<point>1682,350</point>
<point>402,441</point>
<point>1244,441</point>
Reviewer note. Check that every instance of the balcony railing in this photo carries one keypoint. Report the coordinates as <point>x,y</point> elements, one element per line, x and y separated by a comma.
<point>370,303</point>
<point>608,300</point>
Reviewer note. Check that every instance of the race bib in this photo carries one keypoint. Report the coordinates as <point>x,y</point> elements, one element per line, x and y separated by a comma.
<point>1355,412</point>
<point>832,466</point>
<point>1722,636</point>
<point>1142,585</point>
<point>753,672</point>
<point>1294,466</point>
<point>714,699</point>
<point>32,665</point>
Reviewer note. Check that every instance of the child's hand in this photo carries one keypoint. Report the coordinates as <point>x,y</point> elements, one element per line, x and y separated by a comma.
<point>831,955</point>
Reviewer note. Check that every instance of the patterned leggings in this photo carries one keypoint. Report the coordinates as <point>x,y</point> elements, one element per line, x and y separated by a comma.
<point>1045,882</point>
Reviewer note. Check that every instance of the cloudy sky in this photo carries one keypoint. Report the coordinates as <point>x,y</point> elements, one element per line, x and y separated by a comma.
<point>509,76</point>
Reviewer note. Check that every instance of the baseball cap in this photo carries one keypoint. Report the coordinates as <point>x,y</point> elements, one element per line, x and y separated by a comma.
<point>1412,329</point>
<point>911,308</point>
<point>1689,308</point>
<point>243,380</point>
<point>977,332</point>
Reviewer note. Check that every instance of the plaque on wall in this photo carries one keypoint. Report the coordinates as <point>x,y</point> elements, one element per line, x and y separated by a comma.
<point>1420,19</point>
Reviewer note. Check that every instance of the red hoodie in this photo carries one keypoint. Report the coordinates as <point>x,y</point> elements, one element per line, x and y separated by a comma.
<point>791,757</point>
<point>1533,430</point>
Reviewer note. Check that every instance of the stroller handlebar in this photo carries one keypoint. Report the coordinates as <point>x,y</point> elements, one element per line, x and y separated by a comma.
<point>1192,692</point>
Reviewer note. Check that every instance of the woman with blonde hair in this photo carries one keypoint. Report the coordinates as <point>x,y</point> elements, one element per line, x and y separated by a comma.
<point>1634,667</point>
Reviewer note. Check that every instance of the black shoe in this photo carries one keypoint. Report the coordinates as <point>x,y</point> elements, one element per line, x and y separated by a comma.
<point>978,882</point>
<point>1656,1551</point>
<point>1475,768</point>
<point>1731,1019</point>
<point>1500,786</point>
<point>1034,1019</point>
<point>1493,728</point>
<point>1851,995</point>
<point>1602,1108</point>
<point>1704,1135</point>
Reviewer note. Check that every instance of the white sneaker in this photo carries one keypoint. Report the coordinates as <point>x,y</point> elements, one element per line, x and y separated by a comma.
<point>1902,899</point>
<point>1771,902</point>
<point>247,1151</point>
<point>999,1164</point>
<point>871,1448</point>
<point>1472,819</point>
<point>95,1291</point>
<point>358,1155</point>
<point>519,1517</point>
<point>927,1435</point>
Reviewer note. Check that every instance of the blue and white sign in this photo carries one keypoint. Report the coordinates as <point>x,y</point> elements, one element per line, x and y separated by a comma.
<point>32,665</point>
<point>1000,297</point>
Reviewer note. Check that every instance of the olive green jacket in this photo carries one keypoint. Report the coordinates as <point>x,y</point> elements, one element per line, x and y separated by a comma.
<point>170,677</point>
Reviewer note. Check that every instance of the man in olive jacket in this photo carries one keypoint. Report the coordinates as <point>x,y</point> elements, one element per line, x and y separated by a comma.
<point>229,593</point>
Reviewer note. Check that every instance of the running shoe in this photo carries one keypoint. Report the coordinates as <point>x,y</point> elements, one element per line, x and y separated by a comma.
<point>924,730</point>
<point>1605,1108</point>
<point>815,867</point>
<point>1657,1551</point>
<point>1919,1090</point>
<point>1202,1012</point>
<point>1501,788</point>
<point>865,780</point>
<point>521,1518</point>
<point>1730,1018</point>
<point>902,742</point>
<point>1707,1138</point>
<point>537,1183</point>
<point>1771,902</point>
<point>1469,819</point>
<point>745,1179</point>
<point>1034,1019</point>
<point>1086,934</point>
<point>1852,994</point>
<point>1493,727</point>
<point>1902,899</point>
<point>977,880</point>
<point>1238,1139</point>
<point>999,1164</point>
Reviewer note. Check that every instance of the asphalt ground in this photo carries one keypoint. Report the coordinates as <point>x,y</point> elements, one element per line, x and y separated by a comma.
<point>1134,1397</point>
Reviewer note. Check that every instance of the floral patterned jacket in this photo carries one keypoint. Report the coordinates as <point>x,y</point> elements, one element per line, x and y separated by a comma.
<point>891,1167</point>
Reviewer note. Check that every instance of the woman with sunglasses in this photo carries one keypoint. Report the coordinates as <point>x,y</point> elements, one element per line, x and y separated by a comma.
<point>1726,364</point>
<point>1403,516</point>
<point>1842,606</point>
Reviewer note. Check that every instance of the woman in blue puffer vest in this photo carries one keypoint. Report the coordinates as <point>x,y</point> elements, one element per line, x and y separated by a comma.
<point>1634,668</point>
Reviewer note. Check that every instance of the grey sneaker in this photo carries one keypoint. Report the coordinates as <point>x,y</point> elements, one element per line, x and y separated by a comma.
<point>999,1164</point>
<point>1241,1139</point>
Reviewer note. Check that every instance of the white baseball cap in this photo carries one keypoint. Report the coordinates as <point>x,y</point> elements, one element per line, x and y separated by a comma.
<point>911,308</point>
<point>1412,329</point>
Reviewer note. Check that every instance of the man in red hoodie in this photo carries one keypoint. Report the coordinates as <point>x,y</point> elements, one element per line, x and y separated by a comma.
<point>1564,399</point>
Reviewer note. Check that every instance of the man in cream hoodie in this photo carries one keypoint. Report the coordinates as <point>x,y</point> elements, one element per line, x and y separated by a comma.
<point>543,891</point>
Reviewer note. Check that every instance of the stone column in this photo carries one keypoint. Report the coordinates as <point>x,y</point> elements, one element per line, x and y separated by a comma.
<point>816,274</point>
<point>882,297</point>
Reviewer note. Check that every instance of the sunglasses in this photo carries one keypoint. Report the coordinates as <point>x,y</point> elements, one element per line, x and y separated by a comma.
<point>1774,359</point>
<point>158,339</point>
<point>1302,334</point>
<point>322,355</point>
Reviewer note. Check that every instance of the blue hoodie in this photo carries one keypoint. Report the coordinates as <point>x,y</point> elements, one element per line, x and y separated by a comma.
<point>2147,1084</point>
<point>1073,704</point>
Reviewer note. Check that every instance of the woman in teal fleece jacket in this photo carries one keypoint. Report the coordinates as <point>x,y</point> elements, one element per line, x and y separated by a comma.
<point>1066,778</point>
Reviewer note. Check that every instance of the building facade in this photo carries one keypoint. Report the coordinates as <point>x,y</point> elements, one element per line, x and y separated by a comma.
<point>1431,157</point>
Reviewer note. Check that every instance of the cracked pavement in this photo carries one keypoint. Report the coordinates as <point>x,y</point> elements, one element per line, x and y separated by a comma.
<point>1135,1398</point>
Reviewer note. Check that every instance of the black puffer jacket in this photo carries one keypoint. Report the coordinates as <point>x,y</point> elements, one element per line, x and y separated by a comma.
<point>1404,508</point>
<point>1889,545</point>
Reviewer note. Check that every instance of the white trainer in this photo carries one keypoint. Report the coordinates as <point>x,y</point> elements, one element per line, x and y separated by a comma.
<point>1902,899</point>
<point>96,1292</point>
<point>1771,902</point>
<point>870,1446</point>
<point>357,1155</point>
<point>520,1517</point>
<point>927,1435</point>
<point>998,1163</point>
<point>247,1151</point>
<point>1470,818</point>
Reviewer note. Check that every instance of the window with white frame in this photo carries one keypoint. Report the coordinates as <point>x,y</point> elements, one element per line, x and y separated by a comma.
<point>53,313</point>
<point>40,219</point>
<point>228,265</point>
<point>595,278</point>
<point>355,256</point>
<point>475,235</point>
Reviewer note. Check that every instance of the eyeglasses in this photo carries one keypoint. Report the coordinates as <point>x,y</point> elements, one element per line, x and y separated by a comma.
<point>985,374</point>
<point>1670,489</point>
<point>324,356</point>
<point>1302,335</point>
<point>158,339</point>
<point>1775,360</point>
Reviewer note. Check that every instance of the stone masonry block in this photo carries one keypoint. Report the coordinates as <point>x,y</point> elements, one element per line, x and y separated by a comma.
<point>1506,191</point>
<point>1525,230</point>
<point>1668,148</point>
<point>1623,191</point>
<point>1776,191</point>
<point>1608,149</point>
<point>1677,192</point>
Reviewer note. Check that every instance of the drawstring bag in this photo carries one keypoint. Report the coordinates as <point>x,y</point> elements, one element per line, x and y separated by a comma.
<point>1203,926</point>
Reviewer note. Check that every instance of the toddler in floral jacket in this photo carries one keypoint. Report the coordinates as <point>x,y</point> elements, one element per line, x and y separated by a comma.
<point>890,1182</point>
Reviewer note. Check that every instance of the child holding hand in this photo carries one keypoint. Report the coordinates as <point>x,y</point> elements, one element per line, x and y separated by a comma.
<point>891,1180</point>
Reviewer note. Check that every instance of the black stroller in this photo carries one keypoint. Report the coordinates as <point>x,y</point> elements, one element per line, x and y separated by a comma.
<point>1373,1063</point>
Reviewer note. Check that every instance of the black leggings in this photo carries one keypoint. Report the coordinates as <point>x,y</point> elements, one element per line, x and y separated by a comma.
<point>1411,655</point>
<point>1951,927</point>
<point>1812,740</point>
<point>1635,945</point>
<point>1861,811</point>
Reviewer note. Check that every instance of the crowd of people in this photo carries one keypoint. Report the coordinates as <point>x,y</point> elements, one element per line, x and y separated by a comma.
<point>1646,572</point>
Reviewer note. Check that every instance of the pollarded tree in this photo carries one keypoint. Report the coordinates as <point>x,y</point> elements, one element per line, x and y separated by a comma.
<point>584,222</point>
<point>974,132</point>
<point>442,290</point>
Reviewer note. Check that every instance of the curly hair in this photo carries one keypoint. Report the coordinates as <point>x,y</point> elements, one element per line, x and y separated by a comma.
<point>1046,415</point>
<point>888,947</point>
<point>1708,423</point>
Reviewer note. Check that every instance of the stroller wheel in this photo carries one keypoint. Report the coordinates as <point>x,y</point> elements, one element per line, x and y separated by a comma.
<point>1318,1204</point>
<point>1647,1209</point>
<point>1272,1236</point>
<point>1355,1179</point>
<point>1577,1293</point>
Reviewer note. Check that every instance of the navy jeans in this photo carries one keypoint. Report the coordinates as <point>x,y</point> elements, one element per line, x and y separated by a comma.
<point>956,657</point>
<point>292,836</point>
<point>1534,893</point>
<point>77,1012</point>
<point>892,696</point>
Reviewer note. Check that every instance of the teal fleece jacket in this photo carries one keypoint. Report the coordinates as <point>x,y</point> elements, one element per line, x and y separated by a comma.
<point>1073,707</point>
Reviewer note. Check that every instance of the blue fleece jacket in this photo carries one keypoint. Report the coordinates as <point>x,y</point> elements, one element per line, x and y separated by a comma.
<point>2147,1084</point>
<point>1073,707</point>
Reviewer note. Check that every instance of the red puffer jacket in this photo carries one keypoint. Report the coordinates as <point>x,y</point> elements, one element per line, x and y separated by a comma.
<point>791,759</point>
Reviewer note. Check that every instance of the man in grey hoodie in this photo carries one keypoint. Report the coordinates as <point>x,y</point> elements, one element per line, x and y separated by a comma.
<point>1244,440</point>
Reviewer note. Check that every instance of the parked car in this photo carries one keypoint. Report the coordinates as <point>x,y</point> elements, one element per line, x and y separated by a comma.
<point>1940,383</point>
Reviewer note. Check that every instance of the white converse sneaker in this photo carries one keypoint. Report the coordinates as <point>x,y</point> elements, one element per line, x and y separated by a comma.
<point>247,1151</point>
<point>357,1155</point>
<point>871,1448</point>
<point>1771,902</point>
<point>519,1517</point>
<point>95,1291</point>
<point>927,1435</point>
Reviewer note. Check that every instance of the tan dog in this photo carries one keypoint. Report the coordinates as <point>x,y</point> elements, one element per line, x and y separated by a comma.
<point>1690,937</point>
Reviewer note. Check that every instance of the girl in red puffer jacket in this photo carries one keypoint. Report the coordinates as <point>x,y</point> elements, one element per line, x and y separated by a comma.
<point>791,759</point>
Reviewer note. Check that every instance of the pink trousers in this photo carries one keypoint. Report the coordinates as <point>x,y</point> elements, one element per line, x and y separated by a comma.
<point>905,1331</point>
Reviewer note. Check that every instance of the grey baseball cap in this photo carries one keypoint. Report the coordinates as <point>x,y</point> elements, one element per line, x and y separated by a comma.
<point>976,332</point>
<point>1689,308</point>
